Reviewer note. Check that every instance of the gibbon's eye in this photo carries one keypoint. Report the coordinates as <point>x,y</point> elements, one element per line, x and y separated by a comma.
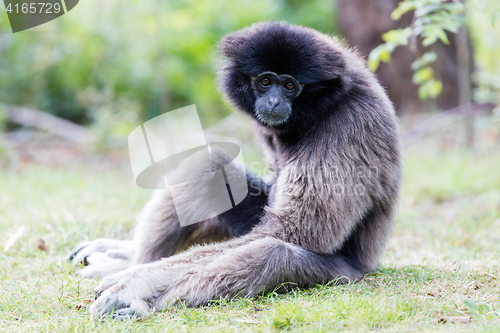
<point>265,82</point>
<point>289,86</point>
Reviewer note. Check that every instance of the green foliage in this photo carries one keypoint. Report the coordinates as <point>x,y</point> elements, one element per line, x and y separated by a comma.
<point>157,55</point>
<point>484,18</point>
<point>393,39</point>
<point>431,20</point>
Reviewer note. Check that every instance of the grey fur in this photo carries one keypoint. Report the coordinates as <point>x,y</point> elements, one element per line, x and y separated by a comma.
<point>330,206</point>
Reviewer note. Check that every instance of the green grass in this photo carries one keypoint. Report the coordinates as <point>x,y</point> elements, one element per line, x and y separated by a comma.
<point>441,266</point>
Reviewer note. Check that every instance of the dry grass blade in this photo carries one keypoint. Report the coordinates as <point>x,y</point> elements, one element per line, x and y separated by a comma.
<point>13,239</point>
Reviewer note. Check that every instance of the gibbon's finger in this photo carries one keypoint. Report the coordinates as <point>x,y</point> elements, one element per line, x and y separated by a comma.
<point>76,249</point>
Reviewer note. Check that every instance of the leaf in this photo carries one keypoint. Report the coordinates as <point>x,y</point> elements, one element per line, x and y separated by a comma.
<point>398,36</point>
<point>423,75</point>
<point>430,88</point>
<point>374,57</point>
<point>429,40</point>
<point>418,28</point>
<point>417,64</point>
<point>423,92</point>
<point>435,88</point>
<point>471,305</point>
<point>442,36</point>
<point>484,308</point>
<point>389,46</point>
<point>426,9</point>
<point>430,34</point>
<point>452,26</point>
<point>375,53</point>
<point>385,56</point>
<point>403,8</point>
<point>426,59</point>
<point>429,57</point>
<point>42,246</point>
<point>373,65</point>
<point>454,8</point>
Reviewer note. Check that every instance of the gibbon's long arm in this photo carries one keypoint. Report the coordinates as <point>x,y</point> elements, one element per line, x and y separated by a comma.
<point>243,267</point>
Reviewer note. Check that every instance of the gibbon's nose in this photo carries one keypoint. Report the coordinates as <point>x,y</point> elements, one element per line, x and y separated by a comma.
<point>273,102</point>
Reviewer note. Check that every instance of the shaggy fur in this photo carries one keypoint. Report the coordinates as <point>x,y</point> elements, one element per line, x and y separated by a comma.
<point>325,216</point>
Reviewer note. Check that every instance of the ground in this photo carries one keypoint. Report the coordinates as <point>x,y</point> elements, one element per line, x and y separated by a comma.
<point>440,272</point>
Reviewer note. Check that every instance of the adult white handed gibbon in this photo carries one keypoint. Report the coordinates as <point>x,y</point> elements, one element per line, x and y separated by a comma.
<point>333,140</point>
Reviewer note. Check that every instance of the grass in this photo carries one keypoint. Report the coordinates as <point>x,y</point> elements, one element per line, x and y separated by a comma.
<point>441,270</point>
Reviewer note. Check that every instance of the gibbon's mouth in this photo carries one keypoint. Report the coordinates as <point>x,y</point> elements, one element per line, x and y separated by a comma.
<point>271,118</point>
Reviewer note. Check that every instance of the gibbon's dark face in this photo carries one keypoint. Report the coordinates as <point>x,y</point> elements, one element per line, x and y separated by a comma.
<point>274,95</point>
<point>260,62</point>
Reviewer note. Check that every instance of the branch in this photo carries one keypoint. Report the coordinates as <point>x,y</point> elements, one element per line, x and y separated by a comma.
<point>50,123</point>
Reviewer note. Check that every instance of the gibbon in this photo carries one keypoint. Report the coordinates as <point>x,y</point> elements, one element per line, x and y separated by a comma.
<point>333,140</point>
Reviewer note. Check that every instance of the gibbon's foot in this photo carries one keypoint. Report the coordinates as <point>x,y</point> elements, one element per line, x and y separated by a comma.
<point>124,295</point>
<point>102,257</point>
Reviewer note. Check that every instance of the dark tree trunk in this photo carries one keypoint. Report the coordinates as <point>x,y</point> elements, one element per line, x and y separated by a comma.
<point>364,21</point>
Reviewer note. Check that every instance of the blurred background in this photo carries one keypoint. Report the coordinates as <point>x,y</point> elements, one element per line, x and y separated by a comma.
<point>108,66</point>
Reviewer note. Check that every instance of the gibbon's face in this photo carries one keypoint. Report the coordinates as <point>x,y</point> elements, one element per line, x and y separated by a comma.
<point>274,95</point>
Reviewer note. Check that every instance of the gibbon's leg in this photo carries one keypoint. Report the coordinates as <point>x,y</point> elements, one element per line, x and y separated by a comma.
<point>159,234</point>
<point>367,243</point>
<point>241,267</point>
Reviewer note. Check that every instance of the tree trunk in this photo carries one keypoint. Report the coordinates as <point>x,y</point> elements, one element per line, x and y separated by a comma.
<point>364,21</point>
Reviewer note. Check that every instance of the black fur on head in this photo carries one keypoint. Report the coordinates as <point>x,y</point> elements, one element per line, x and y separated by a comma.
<point>283,49</point>
<point>314,59</point>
